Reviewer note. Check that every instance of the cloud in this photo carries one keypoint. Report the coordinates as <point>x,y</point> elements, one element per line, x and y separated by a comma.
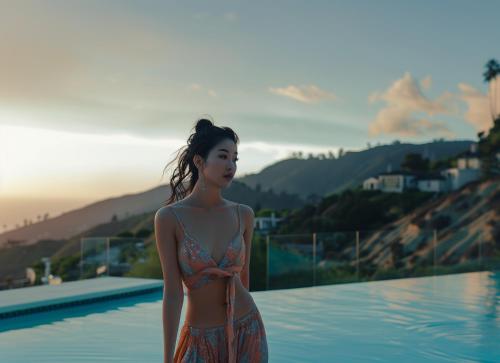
<point>404,102</point>
<point>426,83</point>
<point>478,106</point>
<point>306,94</point>
<point>399,121</point>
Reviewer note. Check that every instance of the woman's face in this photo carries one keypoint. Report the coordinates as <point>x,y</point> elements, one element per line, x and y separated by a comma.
<point>221,161</point>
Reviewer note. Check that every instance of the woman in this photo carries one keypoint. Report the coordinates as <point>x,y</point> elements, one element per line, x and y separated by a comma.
<point>204,241</point>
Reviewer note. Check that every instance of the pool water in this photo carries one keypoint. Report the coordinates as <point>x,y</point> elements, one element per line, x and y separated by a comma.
<point>450,318</point>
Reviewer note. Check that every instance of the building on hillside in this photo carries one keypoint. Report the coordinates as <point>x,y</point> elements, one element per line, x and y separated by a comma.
<point>371,184</point>
<point>468,170</point>
<point>432,183</point>
<point>401,180</point>
<point>266,223</point>
<point>397,181</point>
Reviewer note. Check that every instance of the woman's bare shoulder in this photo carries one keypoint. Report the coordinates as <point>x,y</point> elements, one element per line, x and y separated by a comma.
<point>164,213</point>
<point>247,211</point>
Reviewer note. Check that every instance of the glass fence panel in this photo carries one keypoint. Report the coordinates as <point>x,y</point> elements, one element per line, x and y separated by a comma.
<point>124,253</point>
<point>395,253</point>
<point>335,258</point>
<point>93,260</point>
<point>350,256</point>
<point>290,261</point>
<point>113,256</point>
<point>466,249</point>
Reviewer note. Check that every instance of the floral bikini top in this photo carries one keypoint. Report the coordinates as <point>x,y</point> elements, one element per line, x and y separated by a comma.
<point>199,268</point>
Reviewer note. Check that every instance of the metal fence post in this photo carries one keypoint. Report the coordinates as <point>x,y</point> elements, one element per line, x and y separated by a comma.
<point>357,255</point>
<point>480,252</point>
<point>434,243</point>
<point>314,259</point>
<point>81,258</point>
<point>107,256</point>
<point>267,262</point>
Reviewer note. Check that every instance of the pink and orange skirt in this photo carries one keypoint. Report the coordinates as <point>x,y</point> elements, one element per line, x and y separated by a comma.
<point>208,345</point>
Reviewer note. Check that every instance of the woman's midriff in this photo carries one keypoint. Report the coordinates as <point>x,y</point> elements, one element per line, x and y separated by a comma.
<point>207,305</point>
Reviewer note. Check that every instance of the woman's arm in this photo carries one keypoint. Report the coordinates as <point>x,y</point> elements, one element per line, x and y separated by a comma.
<point>173,293</point>
<point>248,218</point>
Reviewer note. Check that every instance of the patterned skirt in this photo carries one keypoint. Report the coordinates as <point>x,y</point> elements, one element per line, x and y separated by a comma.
<point>208,345</point>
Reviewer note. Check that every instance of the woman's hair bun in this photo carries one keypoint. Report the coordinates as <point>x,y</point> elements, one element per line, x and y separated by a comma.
<point>203,125</point>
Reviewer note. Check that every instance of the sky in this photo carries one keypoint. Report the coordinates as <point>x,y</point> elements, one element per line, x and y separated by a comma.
<point>96,97</point>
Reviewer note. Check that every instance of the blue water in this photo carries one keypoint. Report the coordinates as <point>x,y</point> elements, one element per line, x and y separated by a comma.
<point>450,318</point>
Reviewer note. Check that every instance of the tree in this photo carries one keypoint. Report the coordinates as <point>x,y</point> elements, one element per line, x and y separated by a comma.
<point>414,162</point>
<point>143,233</point>
<point>489,144</point>
<point>490,76</point>
<point>488,147</point>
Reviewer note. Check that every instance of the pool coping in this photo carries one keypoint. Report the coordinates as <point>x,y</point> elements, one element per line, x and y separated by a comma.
<point>29,300</point>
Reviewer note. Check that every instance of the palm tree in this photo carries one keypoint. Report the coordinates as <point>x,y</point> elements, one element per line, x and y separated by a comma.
<point>492,70</point>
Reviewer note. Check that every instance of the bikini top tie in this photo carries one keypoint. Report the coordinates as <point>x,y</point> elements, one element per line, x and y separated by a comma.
<point>198,268</point>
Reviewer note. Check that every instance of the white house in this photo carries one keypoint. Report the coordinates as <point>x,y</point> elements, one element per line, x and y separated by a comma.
<point>265,223</point>
<point>399,181</point>
<point>371,184</point>
<point>396,181</point>
<point>468,169</point>
<point>432,183</point>
<point>470,159</point>
<point>456,177</point>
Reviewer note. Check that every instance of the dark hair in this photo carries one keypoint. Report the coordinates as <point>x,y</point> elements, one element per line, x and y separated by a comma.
<point>205,137</point>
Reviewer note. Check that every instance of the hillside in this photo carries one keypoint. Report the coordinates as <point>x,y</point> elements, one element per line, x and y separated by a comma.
<point>463,220</point>
<point>83,219</point>
<point>134,212</point>
<point>14,259</point>
<point>327,176</point>
<point>284,185</point>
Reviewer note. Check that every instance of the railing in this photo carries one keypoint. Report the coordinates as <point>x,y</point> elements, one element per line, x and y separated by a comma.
<point>110,256</point>
<point>298,260</point>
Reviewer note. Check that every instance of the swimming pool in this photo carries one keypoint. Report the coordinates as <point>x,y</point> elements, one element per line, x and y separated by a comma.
<point>448,318</point>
